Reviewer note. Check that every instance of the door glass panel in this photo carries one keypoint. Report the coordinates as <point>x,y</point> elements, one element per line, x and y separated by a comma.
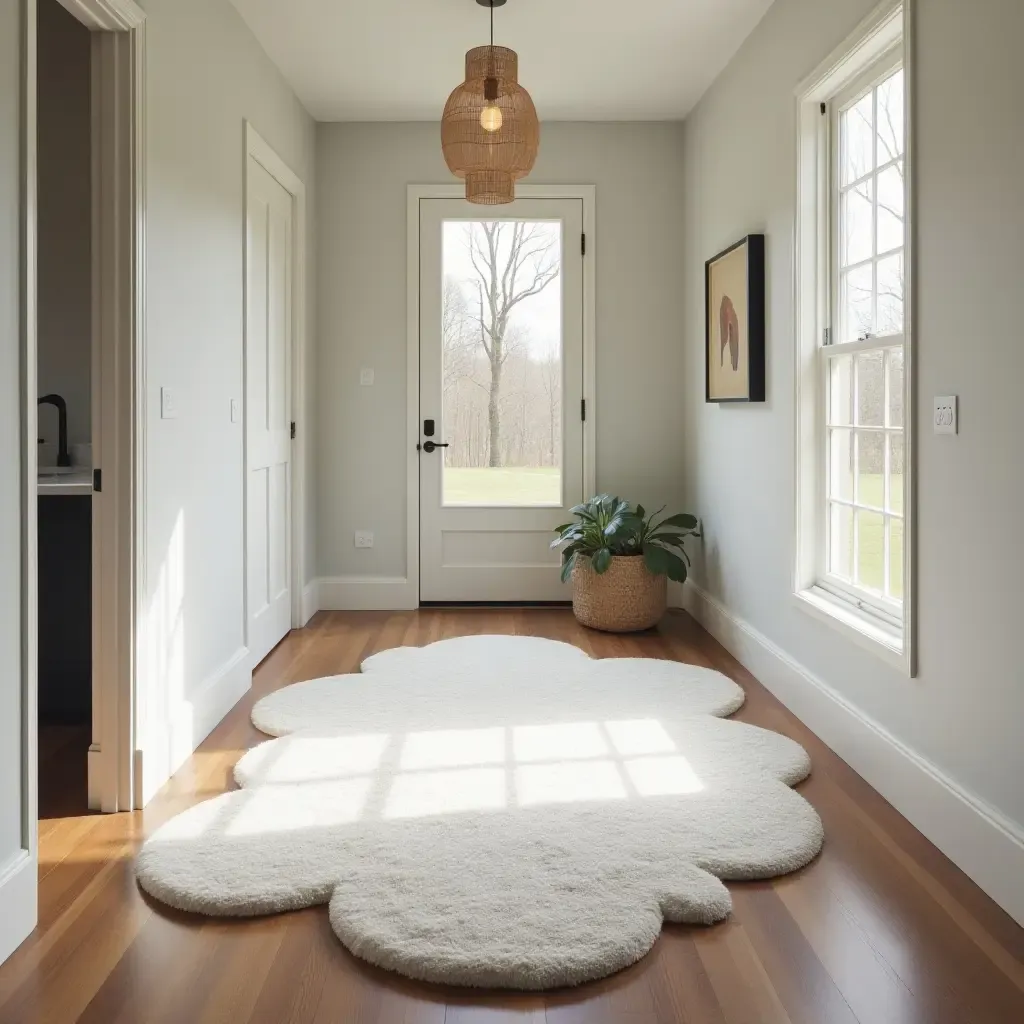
<point>501,327</point>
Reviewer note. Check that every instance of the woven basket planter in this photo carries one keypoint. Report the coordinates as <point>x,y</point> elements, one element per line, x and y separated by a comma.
<point>625,599</point>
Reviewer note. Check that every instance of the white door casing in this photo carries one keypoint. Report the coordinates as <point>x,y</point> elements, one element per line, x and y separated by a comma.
<point>491,544</point>
<point>18,621</point>
<point>270,249</point>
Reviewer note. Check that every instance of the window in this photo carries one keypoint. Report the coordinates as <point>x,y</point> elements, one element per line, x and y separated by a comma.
<point>853,290</point>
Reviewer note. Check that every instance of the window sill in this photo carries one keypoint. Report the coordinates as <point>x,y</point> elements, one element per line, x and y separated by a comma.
<point>864,629</point>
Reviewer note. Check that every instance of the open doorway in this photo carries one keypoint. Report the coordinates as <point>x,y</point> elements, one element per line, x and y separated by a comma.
<point>88,315</point>
<point>64,383</point>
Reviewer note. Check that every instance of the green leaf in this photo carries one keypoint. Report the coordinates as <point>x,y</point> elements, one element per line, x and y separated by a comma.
<point>656,560</point>
<point>684,520</point>
<point>567,567</point>
<point>675,550</point>
<point>601,561</point>
<point>668,540</point>
<point>664,563</point>
<point>564,527</point>
<point>640,512</point>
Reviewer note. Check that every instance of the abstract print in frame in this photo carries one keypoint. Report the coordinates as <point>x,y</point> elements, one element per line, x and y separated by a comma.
<point>735,323</point>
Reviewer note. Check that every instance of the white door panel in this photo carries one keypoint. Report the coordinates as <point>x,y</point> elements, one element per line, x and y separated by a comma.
<point>270,241</point>
<point>501,379</point>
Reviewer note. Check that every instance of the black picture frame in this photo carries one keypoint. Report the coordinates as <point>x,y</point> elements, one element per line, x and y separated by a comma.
<point>755,296</point>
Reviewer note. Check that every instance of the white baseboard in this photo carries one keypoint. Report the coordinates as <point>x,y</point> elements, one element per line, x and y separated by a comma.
<point>19,887</point>
<point>980,840</point>
<point>189,722</point>
<point>367,593</point>
<point>310,600</point>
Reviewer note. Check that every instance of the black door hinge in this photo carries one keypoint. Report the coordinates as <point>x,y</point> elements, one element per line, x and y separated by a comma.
<point>97,480</point>
<point>583,244</point>
<point>293,430</point>
<point>583,410</point>
<point>824,110</point>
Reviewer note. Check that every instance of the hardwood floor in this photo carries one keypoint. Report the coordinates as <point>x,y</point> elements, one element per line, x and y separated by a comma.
<point>880,929</point>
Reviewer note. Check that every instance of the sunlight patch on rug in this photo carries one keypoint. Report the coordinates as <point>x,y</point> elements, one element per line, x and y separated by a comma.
<point>495,811</point>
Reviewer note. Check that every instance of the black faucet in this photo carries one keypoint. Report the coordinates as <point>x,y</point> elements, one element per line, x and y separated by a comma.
<point>63,458</point>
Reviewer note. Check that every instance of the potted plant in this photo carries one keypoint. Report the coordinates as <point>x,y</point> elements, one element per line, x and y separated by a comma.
<point>620,559</point>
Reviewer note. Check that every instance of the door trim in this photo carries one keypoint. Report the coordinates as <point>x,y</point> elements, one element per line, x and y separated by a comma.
<point>263,153</point>
<point>118,137</point>
<point>410,596</point>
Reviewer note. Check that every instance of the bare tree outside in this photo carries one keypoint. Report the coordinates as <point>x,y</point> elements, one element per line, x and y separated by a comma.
<point>501,338</point>
<point>866,455</point>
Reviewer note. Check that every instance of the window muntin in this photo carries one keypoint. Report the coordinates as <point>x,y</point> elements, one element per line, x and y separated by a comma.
<point>862,359</point>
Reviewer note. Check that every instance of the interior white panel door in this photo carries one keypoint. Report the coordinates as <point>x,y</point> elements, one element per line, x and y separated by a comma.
<point>268,346</point>
<point>501,390</point>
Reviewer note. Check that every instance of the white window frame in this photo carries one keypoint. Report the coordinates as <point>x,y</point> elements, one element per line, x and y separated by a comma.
<point>871,54</point>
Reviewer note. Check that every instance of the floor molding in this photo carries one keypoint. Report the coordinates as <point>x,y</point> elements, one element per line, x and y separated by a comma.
<point>366,593</point>
<point>19,880</point>
<point>975,836</point>
<point>192,720</point>
<point>310,601</point>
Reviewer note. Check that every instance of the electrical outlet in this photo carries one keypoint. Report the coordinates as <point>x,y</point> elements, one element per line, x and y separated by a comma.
<point>168,404</point>
<point>945,416</point>
<point>366,378</point>
<point>364,539</point>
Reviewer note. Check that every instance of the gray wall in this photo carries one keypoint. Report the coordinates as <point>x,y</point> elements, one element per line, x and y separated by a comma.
<point>362,174</point>
<point>207,74</point>
<point>11,611</point>
<point>65,219</point>
<point>964,711</point>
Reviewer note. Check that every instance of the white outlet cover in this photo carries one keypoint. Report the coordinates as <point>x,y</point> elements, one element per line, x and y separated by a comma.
<point>236,411</point>
<point>364,539</point>
<point>945,416</point>
<point>168,404</point>
<point>366,378</point>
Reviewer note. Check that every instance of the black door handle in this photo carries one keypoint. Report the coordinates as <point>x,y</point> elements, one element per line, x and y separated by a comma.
<point>429,446</point>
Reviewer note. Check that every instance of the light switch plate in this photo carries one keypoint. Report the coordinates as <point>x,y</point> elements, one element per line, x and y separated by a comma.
<point>168,404</point>
<point>364,539</point>
<point>945,418</point>
<point>366,378</point>
<point>236,411</point>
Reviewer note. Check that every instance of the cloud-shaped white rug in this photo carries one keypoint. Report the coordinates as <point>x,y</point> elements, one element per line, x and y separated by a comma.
<point>495,811</point>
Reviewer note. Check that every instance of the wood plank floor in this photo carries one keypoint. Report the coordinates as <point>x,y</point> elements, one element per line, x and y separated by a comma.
<point>880,929</point>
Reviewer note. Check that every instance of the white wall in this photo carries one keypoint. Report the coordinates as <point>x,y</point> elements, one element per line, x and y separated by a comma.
<point>65,220</point>
<point>206,75</point>
<point>362,173</point>
<point>963,713</point>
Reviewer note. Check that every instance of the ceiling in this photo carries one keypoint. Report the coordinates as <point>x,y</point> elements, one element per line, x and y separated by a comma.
<point>581,60</point>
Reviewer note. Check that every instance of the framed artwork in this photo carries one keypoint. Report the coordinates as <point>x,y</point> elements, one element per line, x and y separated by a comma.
<point>734,323</point>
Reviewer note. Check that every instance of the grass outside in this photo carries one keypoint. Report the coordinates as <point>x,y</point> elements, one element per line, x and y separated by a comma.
<point>529,485</point>
<point>872,537</point>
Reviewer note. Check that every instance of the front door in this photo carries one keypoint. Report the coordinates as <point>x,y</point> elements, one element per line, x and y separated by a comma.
<point>501,395</point>
<point>268,346</point>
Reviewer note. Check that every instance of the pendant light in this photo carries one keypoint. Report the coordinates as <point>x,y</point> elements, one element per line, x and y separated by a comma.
<point>489,130</point>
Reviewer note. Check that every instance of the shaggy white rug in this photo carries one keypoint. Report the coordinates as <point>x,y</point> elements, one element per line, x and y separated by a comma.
<point>495,811</point>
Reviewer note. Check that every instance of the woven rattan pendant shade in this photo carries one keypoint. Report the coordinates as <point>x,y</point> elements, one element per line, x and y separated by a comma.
<point>490,161</point>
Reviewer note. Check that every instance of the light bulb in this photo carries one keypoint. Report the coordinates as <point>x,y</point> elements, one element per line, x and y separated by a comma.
<point>490,118</point>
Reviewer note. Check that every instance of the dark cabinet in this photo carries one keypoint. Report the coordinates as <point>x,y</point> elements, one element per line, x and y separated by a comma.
<point>65,608</point>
